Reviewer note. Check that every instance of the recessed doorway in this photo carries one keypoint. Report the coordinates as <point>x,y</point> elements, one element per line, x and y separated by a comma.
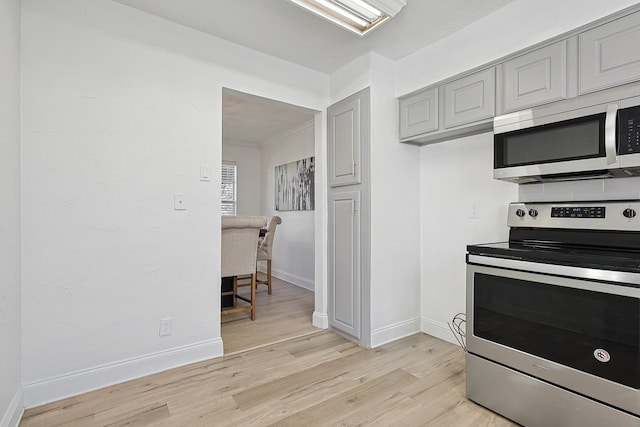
<point>259,134</point>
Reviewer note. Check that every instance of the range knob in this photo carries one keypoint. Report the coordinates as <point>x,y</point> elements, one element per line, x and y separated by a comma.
<point>520,213</point>
<point>629,213</point>
<point>533,212</point>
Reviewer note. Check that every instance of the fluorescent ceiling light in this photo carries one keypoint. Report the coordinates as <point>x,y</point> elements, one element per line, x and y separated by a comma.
<point>359,16</point>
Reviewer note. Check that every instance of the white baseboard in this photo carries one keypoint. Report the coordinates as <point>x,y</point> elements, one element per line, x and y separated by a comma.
<point>320,320</point>
<point>393,332</point>
<point>53,389</point>
<point>438,330</point>
<point>13,414</point>
<point>293,279</point>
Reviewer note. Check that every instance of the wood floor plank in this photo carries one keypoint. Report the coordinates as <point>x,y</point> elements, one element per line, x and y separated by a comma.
<point>141,417</point>
<point>340,410</point>
<point>298,382</point>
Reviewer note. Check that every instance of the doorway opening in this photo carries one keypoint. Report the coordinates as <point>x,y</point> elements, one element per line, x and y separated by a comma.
<point>259,135</point>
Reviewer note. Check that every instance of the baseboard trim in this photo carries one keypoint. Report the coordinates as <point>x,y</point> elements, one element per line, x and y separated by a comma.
<point>438,330</point>
<point>293,279</point>
<point>50,390</point>
<point>394,332</point>
<point>320,320</point>
<point>14,412</point>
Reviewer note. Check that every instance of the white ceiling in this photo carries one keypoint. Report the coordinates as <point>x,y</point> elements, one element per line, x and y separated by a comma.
<point>284,30</point>
<point>253,119</point>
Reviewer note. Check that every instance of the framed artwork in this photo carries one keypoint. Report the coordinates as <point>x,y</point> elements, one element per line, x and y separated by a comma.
<point>295,189</point>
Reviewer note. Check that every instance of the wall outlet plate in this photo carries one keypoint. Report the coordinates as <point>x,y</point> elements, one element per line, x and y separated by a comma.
<point>165,326</point>
<point>179,204</point>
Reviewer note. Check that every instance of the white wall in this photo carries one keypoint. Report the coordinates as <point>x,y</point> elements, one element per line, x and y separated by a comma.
<point>456,174</point>
<point>395,216</point>
<point>294,242</point>
<point>120,109</point>
<point>248,159</point>
<point>461,204</point>
<point>10,224</point>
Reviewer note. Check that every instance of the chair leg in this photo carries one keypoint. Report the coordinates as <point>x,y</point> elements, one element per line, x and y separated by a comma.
<point>235,291</point>
<point>253,296</point>
<point>269,275</point>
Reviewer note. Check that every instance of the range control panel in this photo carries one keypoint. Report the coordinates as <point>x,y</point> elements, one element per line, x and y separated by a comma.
<point>579,212</point>
<point>629,130</point>
<point>611,215</point>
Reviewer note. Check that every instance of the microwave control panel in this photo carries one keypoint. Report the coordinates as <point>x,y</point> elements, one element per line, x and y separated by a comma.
<point>629,130</point>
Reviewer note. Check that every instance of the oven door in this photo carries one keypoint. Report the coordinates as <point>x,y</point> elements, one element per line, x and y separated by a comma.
<point>564,328</point>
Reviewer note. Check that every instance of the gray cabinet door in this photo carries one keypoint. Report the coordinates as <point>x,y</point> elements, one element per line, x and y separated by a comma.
<point>418,113</point>
<point>344,290</point>
<point>610,54</point>
<point>470,98</point>
<point>535,78</point>
<point>344,142</point>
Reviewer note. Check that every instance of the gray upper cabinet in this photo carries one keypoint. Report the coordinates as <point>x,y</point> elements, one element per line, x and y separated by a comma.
<point>599,56</point>
<point>344,142</point>
<point>610,54</point>
<point>535,78</point>
<point>419,113</point>
<point>470,98</point>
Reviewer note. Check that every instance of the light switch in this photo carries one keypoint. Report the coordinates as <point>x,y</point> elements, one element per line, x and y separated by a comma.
<point>178,202</point>
<point>474,212</point>
<point>204,173</point>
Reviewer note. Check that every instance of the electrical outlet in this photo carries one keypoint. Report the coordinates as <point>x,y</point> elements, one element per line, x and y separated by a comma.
<point>165,326</point>
<point>179,203</point>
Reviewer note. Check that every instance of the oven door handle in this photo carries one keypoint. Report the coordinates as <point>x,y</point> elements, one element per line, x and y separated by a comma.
<point>610,133</point>
<point>630,282</point>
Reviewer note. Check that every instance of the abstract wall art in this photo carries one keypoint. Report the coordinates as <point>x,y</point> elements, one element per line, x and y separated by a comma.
<point>295,189</point>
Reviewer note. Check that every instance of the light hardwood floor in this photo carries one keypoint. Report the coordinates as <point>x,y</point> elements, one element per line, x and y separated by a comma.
<point>318,379</point>
<point>285,314</point>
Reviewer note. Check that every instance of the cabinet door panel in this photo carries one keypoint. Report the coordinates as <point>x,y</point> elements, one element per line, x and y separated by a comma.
<point>344,143</point>
<point>609,54</point>
<point>344,264</point>
<point>419,113</point>
<point>536,78</point>
<point>470,99</point>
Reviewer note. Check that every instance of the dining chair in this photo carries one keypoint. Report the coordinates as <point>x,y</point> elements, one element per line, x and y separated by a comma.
<point>239,236</point>
<point>265,248</point>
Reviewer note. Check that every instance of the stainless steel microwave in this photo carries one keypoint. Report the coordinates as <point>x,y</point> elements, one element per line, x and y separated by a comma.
<point>561,143</point>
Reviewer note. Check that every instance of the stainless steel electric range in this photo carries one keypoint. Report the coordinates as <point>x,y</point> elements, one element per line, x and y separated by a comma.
<point>553,316</point>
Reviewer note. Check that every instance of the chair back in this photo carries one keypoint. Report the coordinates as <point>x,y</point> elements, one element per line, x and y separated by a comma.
<point>265,246</point>
<point>239,240</point>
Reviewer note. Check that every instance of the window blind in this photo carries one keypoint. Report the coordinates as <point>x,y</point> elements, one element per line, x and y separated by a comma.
<point>229,188</point>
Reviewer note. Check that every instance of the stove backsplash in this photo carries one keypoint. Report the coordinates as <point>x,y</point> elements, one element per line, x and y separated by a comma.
<point>591,189</point>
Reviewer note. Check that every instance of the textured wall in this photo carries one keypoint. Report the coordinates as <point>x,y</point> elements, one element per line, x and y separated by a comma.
<point>120,109</point>
<point>10,270</point>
